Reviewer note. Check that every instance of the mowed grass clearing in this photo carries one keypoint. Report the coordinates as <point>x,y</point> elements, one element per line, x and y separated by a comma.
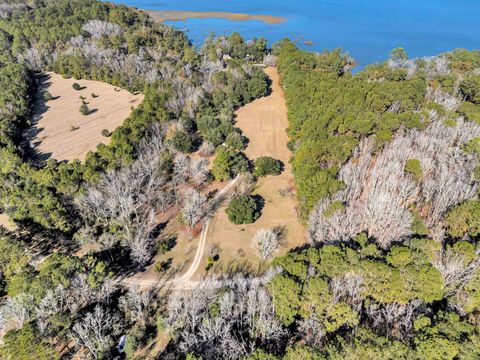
<point>60,131</point>
<point>264,123</point>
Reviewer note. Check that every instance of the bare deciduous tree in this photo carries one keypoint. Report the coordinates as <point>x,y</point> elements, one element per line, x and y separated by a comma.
<point>393,319</point>
<point>135,304</point>
<point>96,331</point>
<point>138,237</point>
<point>348,288</point>
<point>207,149</point>
<point>243,310</point>
<point>130,197</point>
<point>15,312</point>
<point>456,269</point>
<point>194,207</point>
<point>270,60</point>
<point>266,242</point>
<point>99,28</point>
<point>311,331</point>
<point>379,191</point>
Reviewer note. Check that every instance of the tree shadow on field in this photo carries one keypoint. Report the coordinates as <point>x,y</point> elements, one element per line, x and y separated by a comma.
<point>32,135</point>
<point>269,86</point>
<point>238,265</point>
<point>260,201</point>
<point>119,261</point>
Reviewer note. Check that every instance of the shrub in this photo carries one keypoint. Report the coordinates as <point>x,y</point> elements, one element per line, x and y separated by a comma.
<point>414,167</point>
<point>94,95</point>
<point>470,89</point>
<point>188,125</point>
<point>76,86</point>
<point>106,133</point>
<point>243,209</point>
<point>47,96</point>
<point>183,142</point>
<point>235,141</point>
<point>228,163</point>
<point>210,263</point>
<point>470,111</point>
<point>266,165</point>
<point>84,110</point>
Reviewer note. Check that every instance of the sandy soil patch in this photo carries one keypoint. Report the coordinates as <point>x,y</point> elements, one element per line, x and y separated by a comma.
<point>264,123</point>
<point>61,131</point>
<point>175,15</point>
<point>6,222</point>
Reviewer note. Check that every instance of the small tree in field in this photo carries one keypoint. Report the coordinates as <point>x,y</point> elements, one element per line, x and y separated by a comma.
<point>76,86</point>
<point>47,96</point>
<point>84,110</point>
<point>243,209</point>
<point>266,165</point>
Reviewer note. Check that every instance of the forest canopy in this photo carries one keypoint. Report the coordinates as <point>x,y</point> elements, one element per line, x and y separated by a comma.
<point>386,174</point>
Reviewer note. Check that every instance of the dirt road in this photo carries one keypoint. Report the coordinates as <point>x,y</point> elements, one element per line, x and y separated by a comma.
<point>184,281</point>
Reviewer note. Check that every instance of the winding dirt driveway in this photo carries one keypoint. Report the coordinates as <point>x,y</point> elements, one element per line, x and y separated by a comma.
<point>184,281</point>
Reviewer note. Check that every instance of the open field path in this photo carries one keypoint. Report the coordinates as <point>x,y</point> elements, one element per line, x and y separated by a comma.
<point>264,123</point>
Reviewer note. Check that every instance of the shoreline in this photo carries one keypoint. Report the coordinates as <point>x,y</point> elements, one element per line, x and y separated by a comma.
<point>175,15</point>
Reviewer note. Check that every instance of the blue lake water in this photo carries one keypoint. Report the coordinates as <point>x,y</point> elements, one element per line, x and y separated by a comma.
<point>366,29</point>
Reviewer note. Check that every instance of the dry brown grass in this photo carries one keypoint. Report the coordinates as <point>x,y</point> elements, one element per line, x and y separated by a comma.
<point>264,123</point>
<point>62,132</point>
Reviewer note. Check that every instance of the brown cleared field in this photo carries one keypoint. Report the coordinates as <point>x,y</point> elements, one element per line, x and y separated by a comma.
<point>175,15</point>
<point>264,123</point>
<point>61,131</point>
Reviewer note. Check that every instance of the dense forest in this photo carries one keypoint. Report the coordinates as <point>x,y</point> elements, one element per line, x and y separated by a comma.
<point>54,303</point>
<point>386,169</point>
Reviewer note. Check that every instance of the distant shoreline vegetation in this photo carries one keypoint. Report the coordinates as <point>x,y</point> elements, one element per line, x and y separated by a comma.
<point>174,15</point>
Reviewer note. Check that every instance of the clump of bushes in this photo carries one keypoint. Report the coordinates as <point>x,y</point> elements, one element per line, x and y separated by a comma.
<point>470,89</point>
<point>235,141</point>
<point>47,96</point>
<point>229,163</point>
<point>243,209</point>
<point>414,167</point>
<point>84,110</point>
<point>266,165</point>
<point>106,133</point>
<point>183,142</point>
<point>76,86</point>
<point>211,260</point>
